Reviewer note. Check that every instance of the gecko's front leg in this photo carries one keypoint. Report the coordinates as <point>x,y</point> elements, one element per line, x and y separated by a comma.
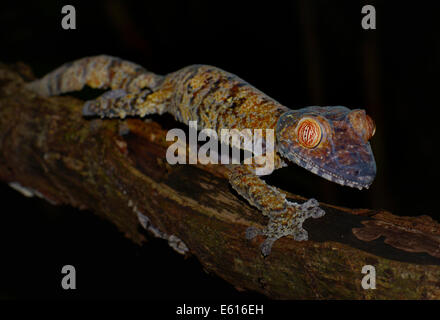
<point>285,217</point>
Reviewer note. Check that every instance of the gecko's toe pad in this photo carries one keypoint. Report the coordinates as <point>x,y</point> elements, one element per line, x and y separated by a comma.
<point>318,213</point>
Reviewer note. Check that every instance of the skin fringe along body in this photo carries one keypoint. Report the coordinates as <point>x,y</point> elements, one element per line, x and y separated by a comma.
<point>331,142</point>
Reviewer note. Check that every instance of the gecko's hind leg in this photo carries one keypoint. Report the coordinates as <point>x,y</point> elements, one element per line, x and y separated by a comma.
<point>119,104</point>
<point>115,104</point>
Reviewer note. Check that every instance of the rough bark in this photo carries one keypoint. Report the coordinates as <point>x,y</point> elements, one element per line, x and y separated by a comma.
<point>48,147</point>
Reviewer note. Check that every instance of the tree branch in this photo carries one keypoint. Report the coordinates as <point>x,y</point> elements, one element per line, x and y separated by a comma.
<point>118,170</point>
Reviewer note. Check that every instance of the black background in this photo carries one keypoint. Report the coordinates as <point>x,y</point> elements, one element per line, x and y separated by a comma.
<point>299,52</point>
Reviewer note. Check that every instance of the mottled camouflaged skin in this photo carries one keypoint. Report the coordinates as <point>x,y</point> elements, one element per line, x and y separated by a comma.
<point>96,72</point>
<point>217,99</point>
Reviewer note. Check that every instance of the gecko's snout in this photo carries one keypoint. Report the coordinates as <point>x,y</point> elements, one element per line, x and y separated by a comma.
<point>360,174</point>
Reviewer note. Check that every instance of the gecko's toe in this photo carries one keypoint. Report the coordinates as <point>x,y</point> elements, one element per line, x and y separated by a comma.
<point>311,209</point>
<point>318,213</point>
<point>300,235</point>
<point>252,232</point>
<point>311,203</point>
<point>266,246</point>
<point>87,109</point>
<point>114,94</point>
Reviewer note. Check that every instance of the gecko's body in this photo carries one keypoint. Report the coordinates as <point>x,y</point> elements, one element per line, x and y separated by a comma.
<point>329,141</point>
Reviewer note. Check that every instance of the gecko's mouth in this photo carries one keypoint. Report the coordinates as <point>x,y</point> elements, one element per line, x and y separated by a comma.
<point>359,177</point>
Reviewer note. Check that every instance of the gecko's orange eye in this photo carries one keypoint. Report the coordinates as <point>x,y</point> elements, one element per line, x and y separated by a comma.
<point>308,132</point>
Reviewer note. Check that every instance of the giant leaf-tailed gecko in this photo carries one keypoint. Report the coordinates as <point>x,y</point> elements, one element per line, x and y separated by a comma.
<point>332,142</point>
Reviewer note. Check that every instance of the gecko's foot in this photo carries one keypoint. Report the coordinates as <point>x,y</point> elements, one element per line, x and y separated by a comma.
<point>311,209</point>
<point>102,103</point>
<point>288,223</point>
<point>119,104</point>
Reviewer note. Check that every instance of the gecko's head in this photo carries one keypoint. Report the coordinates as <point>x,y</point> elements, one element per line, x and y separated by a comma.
<point>331,142</point>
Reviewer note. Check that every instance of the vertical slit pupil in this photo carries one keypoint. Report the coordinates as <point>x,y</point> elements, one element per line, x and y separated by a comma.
<point>308,133</point>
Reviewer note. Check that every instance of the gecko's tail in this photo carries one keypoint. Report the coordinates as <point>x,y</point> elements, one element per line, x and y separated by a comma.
<point>101,72</point>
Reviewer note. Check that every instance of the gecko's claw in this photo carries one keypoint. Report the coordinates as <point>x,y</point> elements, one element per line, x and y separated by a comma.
<point>266,246</point>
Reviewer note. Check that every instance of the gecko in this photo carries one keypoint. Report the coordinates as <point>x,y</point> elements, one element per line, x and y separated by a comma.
<point>329,141</point>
